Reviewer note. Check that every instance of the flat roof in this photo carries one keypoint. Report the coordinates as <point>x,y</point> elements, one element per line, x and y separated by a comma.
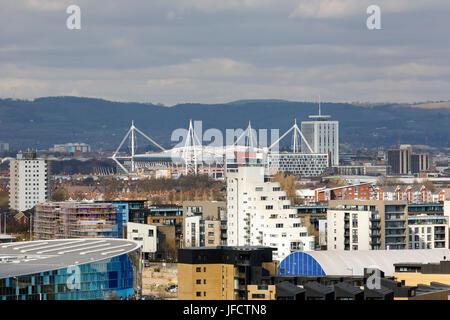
<point>29,257</point>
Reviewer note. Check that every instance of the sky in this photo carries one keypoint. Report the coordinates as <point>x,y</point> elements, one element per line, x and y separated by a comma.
<point>216,51</point>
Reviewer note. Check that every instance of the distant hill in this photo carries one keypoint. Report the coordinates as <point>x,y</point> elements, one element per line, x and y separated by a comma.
<point>47,121</point>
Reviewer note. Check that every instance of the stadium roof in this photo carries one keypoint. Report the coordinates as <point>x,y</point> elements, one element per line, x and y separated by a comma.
<point>354,262</point>
<point>22,258</point>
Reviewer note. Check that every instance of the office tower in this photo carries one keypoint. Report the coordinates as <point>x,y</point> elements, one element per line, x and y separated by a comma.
<point>404,161</point>
<point>259,212</point>
<point>322,135</point>
<point>28,181</point>
<point>420,162</point>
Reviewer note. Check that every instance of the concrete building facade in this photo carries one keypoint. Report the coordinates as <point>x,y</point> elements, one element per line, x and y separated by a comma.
<point>322,136</point>
<point>259,213</point>
<point>204,223</point>
<point>367,225</point>
<point>146,235</point>
<point>28,181</point>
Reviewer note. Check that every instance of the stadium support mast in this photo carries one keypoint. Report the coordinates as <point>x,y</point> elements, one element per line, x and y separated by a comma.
<point>297,132</point>
<point>132,134</point>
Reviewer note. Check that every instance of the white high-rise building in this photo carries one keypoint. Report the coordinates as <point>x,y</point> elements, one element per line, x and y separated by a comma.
<point>259,213</point>
<point>322,135</point>
<point>28,181</point>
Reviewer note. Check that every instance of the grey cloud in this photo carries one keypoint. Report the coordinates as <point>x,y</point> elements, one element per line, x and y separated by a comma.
<point>213,51</point>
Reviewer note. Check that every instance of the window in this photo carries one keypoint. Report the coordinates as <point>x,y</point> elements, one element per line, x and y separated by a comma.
<point>198,281</point>
<point>198,269</point>
<point>198,294</point>
<point>135,231</point>
<point>258,296</point>
<point>269,207</point>
<point>279,225</point>
<point>150,233</point>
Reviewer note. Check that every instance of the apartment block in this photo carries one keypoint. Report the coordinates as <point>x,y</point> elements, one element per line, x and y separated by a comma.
<point>259,212</point>
<point>362,191</point>
<point>146,234</point>
<point>28,181</point>
<point>204,223</point>
<point>427,232</point>
<point>222,273</point>
<point>367,225</point>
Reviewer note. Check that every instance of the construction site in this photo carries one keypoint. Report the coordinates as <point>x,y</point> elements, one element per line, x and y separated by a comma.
<point>62,220</point>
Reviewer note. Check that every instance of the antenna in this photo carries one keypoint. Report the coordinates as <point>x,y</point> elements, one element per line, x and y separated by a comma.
<point>319,105</point>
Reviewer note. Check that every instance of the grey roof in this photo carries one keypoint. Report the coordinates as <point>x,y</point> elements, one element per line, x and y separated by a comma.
<point>286,289</point>
<point>341,262</point>
<point>347,288</point>
<point>22,258</point>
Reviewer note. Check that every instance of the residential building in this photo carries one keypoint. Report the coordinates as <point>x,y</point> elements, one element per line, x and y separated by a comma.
<point>313,217</point>
<point>169,220</point>
<point>145,234</point>
<point>259,212</point>
<point>222,273</point>
<point>28,181</point>
<point>63,220</point>
<point>362,191</point>
<point>367,225</point>
<point>413,194</point>
<point>204,223</point>
<point>427,232</point>
<point>322,135</point>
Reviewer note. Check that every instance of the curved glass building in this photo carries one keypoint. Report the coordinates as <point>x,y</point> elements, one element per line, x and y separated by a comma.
<point>70,269</point>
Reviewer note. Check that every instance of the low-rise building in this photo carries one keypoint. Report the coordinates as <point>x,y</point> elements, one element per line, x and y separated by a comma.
<point>145,234</point>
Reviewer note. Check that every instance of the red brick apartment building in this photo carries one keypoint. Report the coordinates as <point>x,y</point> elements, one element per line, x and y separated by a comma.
<point>351,192</point>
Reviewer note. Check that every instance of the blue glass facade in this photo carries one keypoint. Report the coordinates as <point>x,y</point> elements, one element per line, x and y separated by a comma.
<point>112,278</point>
<point>300,263</point>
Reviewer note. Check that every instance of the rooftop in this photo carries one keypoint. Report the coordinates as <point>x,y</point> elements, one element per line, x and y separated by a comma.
<point>22,258</point>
